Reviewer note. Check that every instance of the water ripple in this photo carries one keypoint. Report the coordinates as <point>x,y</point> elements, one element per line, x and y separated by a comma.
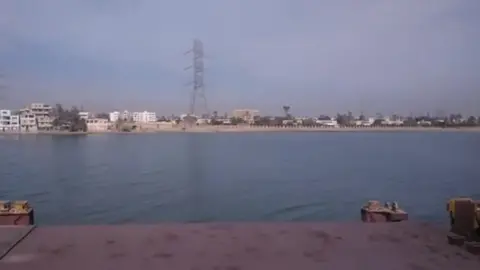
<point>229,177</point>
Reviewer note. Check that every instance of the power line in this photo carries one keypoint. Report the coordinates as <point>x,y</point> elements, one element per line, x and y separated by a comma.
<point>198,91</point>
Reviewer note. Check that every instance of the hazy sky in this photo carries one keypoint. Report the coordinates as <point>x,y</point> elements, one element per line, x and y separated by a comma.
<point>316,56</point>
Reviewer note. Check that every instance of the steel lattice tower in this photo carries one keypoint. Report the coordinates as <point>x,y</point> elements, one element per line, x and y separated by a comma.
<point>2,87</point>
<point>198,91</point>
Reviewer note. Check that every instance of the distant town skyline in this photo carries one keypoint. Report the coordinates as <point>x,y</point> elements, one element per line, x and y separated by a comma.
<point>319,57</point>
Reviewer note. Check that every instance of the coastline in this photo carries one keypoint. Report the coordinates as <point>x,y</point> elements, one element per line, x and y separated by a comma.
<point>250,129</point>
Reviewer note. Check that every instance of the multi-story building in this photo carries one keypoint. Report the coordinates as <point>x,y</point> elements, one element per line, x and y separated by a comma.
<point>246,115</point>
<point>84,115</point>
<point>15,123</point>
<point>327,122</point>
<point>28,121</point>
<point>144,117</point>
<point>126,115</point>
<point>40,109</point>
<point>97,125</point>
<point>5,120</point>
<point>8,121</point>
<point>44,122</point>
<point>114,116</point>
<point>42,113</point>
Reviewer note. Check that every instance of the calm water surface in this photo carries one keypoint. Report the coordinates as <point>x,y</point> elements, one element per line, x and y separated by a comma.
<point>236,177</point>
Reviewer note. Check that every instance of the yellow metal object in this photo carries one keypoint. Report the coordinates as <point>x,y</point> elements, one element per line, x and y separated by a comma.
<point>4,206</point>
<point>451,206</point>
<point>451,203</point>
<point>20,206</point>
<point>451,209</point>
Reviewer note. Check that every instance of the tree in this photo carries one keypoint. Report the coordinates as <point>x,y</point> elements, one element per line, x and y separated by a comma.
<point>362,117</point>
<point>410,122</point>
<point>119,123</point>
<point>471,121</point>
<point>68,119</point>
<point>277,121</point>
<point>378,122</point>
<point>79,125</point>
<point>236,121</point>
<point>342,119</point>
<point>308,122</point>
<point>262,121</point>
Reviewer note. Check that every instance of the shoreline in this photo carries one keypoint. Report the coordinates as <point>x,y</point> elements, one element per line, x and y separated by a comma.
<point>248,129</point>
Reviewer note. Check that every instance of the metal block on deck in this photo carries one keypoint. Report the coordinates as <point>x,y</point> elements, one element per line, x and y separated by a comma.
<point>455,239</point>
<point>374,212</point>
<point>473,247</point>
<point>397,216</point>
<point>372,216</point>
<point>5,206</point>
<point>20,206</point>
<point>463,216</point>
<point>16,213</point>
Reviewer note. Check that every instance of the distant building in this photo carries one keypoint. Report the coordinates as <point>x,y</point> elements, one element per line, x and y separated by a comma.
<point>246,115</point>
<point>366,122</point>
<point>126,115</point>
<point>40,109</point>
<point>97,125</point>
<point>42,116</point>
<point>84,115</point>
<point>203,121</point>
<point>28,121</point>
<point>114,116</point>
<point>327,123</point>
<point>144,117</point>
<point>182,116</point>
<point>9,122</point>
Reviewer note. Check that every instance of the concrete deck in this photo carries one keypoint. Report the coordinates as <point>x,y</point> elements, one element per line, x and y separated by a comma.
<point>11,236</point>
<point>240,246</point>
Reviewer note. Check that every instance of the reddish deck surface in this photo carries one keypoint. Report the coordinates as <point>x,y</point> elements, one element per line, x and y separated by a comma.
<point>233,246</point>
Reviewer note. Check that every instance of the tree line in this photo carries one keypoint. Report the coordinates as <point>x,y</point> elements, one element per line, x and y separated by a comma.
<point>67,119</point>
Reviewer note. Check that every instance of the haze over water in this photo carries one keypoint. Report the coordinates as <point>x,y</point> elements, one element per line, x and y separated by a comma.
<point>236,177</point>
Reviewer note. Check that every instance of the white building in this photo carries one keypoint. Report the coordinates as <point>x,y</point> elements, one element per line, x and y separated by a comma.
<point>327,123</point>
<point>246,115</point>
<point>365,123</point>
<point>28,121</point>
<point>144,117</point>
<point>84,115</point>
<point>126,115</point>
<point>97,125</point>
<point>42,113</point>
<point>114,116</point>
<point>9,122</point>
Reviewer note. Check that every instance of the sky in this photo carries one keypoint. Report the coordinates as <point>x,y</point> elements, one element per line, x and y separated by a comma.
<point>319,57</point>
